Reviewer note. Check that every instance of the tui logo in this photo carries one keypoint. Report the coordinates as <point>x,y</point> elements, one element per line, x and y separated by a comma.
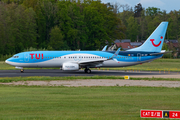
<point>156,45</point>
<point>37,56</point>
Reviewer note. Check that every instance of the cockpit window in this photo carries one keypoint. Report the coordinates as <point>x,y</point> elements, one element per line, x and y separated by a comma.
<point>15,56</point>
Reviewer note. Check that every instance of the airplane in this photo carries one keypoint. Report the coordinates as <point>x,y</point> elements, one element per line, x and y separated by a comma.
<point>76,60</point>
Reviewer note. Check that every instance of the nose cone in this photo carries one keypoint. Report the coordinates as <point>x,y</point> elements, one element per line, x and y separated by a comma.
<point>10,62</point>
<point>7,61</point>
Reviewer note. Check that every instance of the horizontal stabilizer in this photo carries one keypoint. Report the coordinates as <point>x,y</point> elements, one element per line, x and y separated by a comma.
<point>162,52</point>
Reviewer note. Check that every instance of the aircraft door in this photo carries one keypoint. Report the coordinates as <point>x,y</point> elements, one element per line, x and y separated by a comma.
<point>26,57</point>
<point>77,58</point>
<point>139,57</point>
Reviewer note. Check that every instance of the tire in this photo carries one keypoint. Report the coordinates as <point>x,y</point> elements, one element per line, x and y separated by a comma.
<point>88,71</point>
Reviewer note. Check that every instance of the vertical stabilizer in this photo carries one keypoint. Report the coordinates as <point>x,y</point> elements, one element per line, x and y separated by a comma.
<point>155,41</point>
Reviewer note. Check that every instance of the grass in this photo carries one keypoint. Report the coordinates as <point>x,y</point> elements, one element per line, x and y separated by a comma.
<point>4,66</point>
<point>45,78</point>
<point>79,103</point>
<point>159,64</point>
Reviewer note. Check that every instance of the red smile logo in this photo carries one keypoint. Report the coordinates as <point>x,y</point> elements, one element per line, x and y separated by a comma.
<point>152,40</point>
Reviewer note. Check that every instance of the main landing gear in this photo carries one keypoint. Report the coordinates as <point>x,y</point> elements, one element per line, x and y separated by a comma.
<point>22,70</point>
<point>87,70</point>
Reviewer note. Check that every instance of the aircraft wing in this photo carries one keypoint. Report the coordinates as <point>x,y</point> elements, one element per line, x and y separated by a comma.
<point>98,61</point>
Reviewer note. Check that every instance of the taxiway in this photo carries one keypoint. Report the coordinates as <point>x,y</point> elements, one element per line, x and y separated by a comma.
<point>60,73</point>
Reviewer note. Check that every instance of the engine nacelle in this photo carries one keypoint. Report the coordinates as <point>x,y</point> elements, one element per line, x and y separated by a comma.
<point>70,66</point>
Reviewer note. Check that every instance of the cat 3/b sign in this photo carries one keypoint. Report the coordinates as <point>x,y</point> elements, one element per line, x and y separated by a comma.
<point>159,114</point>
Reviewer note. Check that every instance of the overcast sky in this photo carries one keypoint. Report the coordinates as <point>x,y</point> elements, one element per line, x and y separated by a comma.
<point>167,5</point>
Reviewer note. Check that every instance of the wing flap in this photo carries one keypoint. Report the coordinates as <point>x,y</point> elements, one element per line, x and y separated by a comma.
<point>92,61</point>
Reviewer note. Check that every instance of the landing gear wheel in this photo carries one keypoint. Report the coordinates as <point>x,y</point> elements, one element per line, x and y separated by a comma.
<point>88,71</point>
<point>22,70</point>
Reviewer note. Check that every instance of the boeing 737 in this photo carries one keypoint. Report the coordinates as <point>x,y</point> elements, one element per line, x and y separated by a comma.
<point>75,60</point>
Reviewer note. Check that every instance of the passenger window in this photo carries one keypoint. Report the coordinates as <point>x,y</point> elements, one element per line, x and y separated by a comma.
<point>15,56</point>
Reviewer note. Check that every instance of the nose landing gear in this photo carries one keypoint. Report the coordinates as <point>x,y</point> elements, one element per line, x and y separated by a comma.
<point>22,70</point>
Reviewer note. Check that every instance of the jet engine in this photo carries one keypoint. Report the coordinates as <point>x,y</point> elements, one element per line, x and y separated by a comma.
<point>70,66</point>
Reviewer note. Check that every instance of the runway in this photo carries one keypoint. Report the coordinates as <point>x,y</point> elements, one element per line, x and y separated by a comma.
<point>60,73</point>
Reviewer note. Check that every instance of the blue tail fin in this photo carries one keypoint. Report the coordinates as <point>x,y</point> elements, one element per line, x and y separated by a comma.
<point>155,41</point>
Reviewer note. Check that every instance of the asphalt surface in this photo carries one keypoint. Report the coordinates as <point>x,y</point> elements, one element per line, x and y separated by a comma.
<point>60,73</point>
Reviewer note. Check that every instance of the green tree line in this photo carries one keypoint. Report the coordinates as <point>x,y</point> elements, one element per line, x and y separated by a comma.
<point>76,24</point>
<point>57,25</point>
<point>141,22</point>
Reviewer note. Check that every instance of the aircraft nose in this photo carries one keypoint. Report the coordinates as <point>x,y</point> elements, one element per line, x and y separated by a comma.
<point>7,61</point>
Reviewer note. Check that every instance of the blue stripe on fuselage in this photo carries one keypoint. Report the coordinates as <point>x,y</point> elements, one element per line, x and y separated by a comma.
<point>124,56</point>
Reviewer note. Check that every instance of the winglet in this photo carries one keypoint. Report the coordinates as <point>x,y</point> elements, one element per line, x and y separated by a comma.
<point>104,49</point>
<point>116,53</point>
